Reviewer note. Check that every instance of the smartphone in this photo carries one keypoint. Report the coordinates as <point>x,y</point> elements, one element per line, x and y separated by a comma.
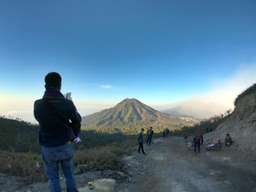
<point>68,96</point>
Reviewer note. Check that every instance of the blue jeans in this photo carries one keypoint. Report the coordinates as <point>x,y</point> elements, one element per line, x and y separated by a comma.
<point>149,140</point>
<point>54,157</point>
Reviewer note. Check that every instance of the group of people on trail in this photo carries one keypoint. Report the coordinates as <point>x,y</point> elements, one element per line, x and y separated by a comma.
<point>166,132</point>
<point>140,139</point>
<point>198,141</point>
<point>217,145</point>
<point>60,125</point>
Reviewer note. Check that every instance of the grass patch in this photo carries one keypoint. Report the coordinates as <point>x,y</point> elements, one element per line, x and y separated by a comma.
<point>101,158</point>
<point>22,165</point>
<point>101,155</point>
<point>105,156</point>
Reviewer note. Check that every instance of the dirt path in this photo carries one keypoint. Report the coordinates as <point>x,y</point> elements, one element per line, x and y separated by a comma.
<point>170,167</point>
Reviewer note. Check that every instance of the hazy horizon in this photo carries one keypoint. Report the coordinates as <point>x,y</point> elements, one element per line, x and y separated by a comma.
<point>195,55</point>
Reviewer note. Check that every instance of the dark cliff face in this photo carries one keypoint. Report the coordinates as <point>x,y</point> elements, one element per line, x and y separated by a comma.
<point>245,103</point>
<point>241,124</point>
<point>250,91</point>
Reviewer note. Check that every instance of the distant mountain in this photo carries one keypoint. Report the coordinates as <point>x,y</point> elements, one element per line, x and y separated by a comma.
<point>129,116</point>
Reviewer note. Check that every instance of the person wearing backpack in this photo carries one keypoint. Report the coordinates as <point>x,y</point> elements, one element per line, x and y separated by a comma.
<point>59,127</point>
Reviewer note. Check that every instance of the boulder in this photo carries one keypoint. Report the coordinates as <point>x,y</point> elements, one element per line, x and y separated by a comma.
<point>100,185</point>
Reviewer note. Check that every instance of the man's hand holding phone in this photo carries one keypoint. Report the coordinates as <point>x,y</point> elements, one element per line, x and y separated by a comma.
<point>77,140</point>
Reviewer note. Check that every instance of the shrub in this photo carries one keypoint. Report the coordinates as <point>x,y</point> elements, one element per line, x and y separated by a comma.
<point>101,158</point>
<point>22,165</point>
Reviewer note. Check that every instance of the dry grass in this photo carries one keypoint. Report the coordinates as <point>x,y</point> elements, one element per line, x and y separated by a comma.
<point>100,159</point>
<point>103,157</point>
<point>22,165</point>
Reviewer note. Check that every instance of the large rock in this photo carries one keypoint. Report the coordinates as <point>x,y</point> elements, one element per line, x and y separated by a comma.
<point>100,185</point>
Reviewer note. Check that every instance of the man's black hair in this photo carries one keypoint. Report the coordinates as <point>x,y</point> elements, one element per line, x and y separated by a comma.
<point>52,80</point>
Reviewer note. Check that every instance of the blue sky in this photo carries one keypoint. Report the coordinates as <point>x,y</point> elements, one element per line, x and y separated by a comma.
<point>158,51</point>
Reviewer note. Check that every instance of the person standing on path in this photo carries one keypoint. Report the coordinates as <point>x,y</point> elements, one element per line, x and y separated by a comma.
<point>141,142</point>
<point>197,144</point>
<point>201,139</point>
<point>59,127</point>
<point>150,136</point>
<point>228,140</point>
<point>147,135</point>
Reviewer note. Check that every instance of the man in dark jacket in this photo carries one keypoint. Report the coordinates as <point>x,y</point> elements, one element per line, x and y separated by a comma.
<point>228,140</point>
<point>141,141</point>
<point>59,125</point>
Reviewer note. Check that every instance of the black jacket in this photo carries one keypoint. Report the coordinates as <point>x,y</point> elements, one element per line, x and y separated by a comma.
<point>140,138</point>
<point>55,130</point>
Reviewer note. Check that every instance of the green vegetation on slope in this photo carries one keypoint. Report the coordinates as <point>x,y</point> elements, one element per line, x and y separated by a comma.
<point>20,151</point>
<point>204,126</point>
<point>16,135</point>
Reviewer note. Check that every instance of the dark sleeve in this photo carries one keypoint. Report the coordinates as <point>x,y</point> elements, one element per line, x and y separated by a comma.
<point>138,138</point>
<point>75,119</point>
<point>35,110</point>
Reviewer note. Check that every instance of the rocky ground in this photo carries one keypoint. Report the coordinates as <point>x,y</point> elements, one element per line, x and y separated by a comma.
<point>105,180</point>
<point>169,166</point>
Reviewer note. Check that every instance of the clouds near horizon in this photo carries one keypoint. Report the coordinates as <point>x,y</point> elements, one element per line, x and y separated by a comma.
<point>216,100</point>
<point>220,97</point>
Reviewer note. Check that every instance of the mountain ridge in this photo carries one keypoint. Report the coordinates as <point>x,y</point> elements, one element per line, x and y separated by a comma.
<point>129,116</point>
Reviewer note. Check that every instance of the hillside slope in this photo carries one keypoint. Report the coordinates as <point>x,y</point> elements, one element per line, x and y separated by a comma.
<point>129,116</point>
<point>241,124</point>
<point>17,135</point>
